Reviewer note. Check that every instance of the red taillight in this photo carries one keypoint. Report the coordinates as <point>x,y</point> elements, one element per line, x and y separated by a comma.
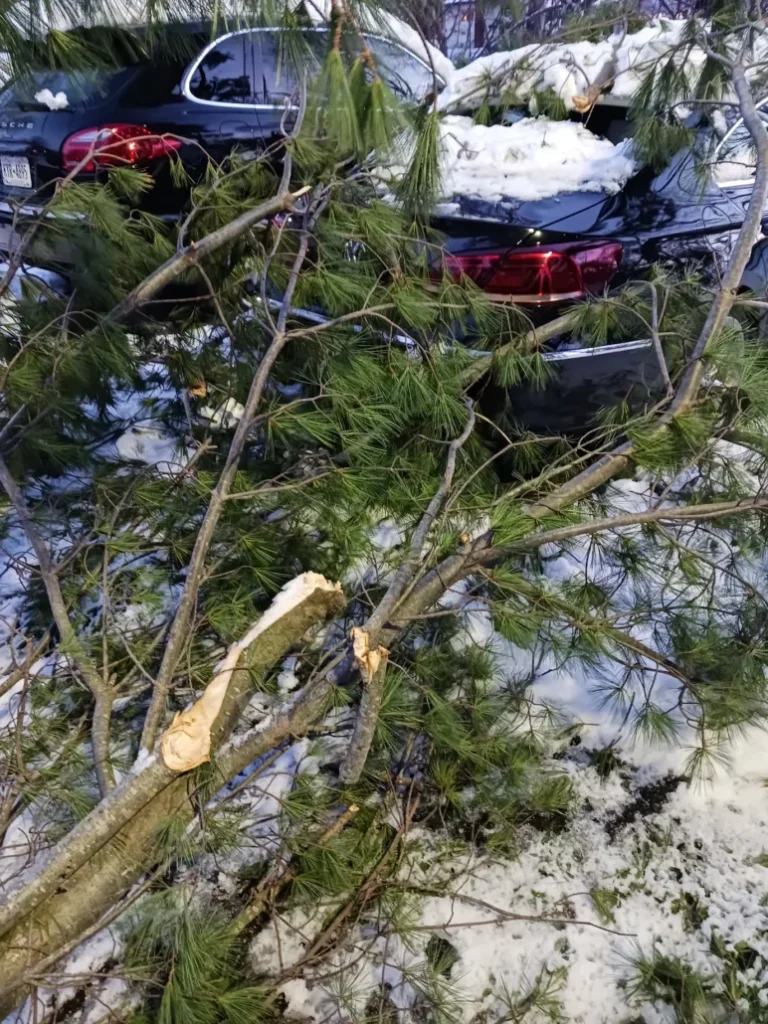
<point>546,274</point>
<point>115,145</point>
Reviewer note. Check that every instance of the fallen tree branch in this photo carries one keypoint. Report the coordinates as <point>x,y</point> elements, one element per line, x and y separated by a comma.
<point>191,254</point>
<point>749,233</point>
<point>123,827</point>
<point>179,630</point>
<point>365,726</point>
<point>359,898</point>
<point>713,510</point>
<point>71,646</point>
<point>657,345</point>
<point>410,564</point>
<point>277,878</point>
<point>16,675</point>
<point>373,681</point>
<point>534,339</point>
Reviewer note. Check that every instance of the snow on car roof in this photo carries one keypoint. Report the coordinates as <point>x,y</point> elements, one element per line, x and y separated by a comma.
<point>568,69</point>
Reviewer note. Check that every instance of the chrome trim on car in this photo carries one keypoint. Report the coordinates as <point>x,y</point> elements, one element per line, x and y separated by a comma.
<point>27,211</point>
<point>550,357</point>
<point>595,350</point>
<point>36,211</point>
<point>579,353</point>
<point>319,318</point>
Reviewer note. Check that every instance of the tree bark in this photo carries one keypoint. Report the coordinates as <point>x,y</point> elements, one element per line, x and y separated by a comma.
<point>191,254</point>
<point>104,854</point>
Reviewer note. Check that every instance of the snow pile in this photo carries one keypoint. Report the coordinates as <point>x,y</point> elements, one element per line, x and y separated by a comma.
<point>644,866</point>
<point>152,446</point>
<point>568,69</point>
<point>532,159</point>
<point>640,51</point>
<point>665,895</point>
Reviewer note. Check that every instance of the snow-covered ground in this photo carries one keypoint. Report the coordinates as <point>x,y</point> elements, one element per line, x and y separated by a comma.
<point>644,865</point>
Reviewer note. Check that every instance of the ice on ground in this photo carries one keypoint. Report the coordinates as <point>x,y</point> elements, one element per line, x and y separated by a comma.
<point>150,445</point>
<point>535,158</point>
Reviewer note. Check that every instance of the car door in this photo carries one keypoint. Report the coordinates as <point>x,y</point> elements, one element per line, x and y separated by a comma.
<point>233,101</point>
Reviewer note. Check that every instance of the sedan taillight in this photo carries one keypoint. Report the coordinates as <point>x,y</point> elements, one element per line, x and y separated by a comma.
<point>115,145</point>
<point>543,275</point>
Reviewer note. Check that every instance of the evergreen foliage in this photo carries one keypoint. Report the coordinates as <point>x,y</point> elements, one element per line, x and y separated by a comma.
<point>119,430</point>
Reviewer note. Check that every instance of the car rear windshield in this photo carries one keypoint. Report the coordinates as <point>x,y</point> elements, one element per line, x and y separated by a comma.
<point>86,88</point>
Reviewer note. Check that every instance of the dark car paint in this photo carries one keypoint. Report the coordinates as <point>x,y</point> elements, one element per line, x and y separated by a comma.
<point>585,382</point>
<point>205,129</point>
<point>671,217</point>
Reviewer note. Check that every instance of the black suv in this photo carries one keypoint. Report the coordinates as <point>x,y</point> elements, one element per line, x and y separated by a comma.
<point>212,97</point>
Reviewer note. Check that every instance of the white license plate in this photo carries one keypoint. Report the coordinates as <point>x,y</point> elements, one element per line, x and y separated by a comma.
<point>16,171</point>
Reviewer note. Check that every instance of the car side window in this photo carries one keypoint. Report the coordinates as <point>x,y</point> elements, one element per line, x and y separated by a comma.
<point>408,77</point>
<point>225,73</point>
<point>257,68</point>
<point>275,79</point>
<point>735,160</point>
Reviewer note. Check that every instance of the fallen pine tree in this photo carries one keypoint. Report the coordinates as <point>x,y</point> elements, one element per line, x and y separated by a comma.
<point>136,575</point>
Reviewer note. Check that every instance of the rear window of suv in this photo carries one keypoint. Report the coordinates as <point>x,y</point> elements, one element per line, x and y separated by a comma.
<point>87,88</point>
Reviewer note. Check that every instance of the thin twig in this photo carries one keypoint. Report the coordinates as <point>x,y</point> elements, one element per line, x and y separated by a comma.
<point>71,642</point>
